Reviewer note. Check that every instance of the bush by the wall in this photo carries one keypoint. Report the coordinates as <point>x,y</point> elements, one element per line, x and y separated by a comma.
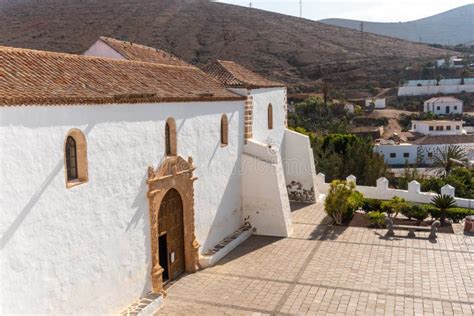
<point>342,200</point>
<point>416,211</point>
<point>376,219</point>
<point>455,214</point>
<point>371,205</point>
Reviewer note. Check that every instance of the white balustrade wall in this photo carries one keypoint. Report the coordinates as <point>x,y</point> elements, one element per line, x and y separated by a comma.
<point>382,192</point>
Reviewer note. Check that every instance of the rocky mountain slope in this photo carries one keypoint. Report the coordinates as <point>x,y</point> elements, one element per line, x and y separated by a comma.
<point>297,51</point>
<point>448,28</point>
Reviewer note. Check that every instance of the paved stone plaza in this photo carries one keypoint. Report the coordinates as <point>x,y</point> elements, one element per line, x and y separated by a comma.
<point>330,270</point>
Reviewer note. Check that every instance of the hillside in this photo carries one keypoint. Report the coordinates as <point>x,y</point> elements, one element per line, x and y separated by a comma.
<point>448,28</point>
<point>296,51</point>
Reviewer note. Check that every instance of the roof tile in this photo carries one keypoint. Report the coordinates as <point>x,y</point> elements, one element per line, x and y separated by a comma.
<point>37,77</point>
<point>233,75</point>
<point>132,51</point>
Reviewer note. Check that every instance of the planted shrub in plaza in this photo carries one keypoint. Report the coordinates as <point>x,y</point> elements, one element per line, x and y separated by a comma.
<point>443,202</point>
<point>342,201</point>
<point>455,214</point>
<point>376,219</point>
<point>415,211</point>
<point>395,205</point>
<point>370,205</point>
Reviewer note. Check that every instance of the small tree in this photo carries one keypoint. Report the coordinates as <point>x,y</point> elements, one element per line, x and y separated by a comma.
<point>341,202</point>
<point>464,74</point>
<point>438,79</point>
<point>395,205</point>
<point>443,202</point>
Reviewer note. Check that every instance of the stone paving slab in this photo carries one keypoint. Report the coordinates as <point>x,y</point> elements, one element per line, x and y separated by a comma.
<point>328,270</point>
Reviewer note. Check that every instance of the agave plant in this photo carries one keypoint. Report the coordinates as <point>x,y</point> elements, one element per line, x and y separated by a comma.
<point>445,159</point>
<point>443,202</point>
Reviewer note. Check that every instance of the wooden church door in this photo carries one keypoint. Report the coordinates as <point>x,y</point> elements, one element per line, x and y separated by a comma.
<point>171,235</point>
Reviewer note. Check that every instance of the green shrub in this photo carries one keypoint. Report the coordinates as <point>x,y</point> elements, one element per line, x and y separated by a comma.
<point>457,214</point>
<point>419,213</point>
<point>342,201</point>
<point>386,207</point>
<point>398,205</point>
<point>370,205</point>
<point>376,219</point>
<point>356,201</point>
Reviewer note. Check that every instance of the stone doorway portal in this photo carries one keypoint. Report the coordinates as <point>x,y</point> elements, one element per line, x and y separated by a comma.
<point>174,248</point>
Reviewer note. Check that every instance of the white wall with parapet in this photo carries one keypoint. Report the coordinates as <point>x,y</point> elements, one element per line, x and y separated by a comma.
<point>86,250</point>
<point>264,196</point>
<point>433,89</point>
<point>298,166</point>
<point>382,191</point>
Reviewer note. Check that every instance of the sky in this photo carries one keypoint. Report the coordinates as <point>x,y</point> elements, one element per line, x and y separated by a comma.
<point>367,10</point>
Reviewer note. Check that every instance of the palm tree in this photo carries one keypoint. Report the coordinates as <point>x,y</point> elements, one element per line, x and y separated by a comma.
<point>445,159</point>
<point>443,202</point>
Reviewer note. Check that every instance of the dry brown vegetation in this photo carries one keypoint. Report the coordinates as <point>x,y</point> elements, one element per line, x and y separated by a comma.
<point>297,51</point>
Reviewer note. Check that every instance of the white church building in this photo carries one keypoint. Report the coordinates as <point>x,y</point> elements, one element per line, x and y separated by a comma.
<point>125,168</point>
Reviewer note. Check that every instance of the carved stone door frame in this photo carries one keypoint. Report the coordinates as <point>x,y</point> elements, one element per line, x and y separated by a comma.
<point>174,173</point>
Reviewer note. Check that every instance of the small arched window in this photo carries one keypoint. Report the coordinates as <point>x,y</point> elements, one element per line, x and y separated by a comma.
<point>75,158</point>
<point>170,137</point>
<point>71,159</point>
<point>270,116</point>
<point>224,130</point>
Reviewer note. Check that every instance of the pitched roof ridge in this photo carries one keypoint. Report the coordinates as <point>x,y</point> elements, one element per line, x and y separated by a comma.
<point>78,57</point>
<point>105,38</point>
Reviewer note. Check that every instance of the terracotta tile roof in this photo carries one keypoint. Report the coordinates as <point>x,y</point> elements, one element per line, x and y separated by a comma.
<point>132,51</point>
<point>30,77</point>
<point>444,139</point>
<point>233,75</point>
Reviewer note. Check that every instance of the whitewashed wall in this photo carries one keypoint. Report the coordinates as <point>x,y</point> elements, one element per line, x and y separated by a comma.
<point>379,103</point>
<point>261,99</point>
<point>100,49</point>
<point>423,127</point>
<point>433,89</point>
<point>383,192</point>
<point>399,151</point>
<point>265,199</point>
<point>86,250</point>
<point>439,108</point>
<point>298,161</point>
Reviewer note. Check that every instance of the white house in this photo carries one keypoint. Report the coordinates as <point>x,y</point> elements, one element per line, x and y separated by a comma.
<point>430,146</point>
<point>397,154</point>
<point>443,106</point>
<point>422,150</point>
<point>437,127</point>
<point>451,62</point>
<point>378,103</point>
<point>119,174</point>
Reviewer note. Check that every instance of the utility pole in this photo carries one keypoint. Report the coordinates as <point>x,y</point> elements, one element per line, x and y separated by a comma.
<point>250,4</point>
<point>361,33</point>
<point>301,8</point>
